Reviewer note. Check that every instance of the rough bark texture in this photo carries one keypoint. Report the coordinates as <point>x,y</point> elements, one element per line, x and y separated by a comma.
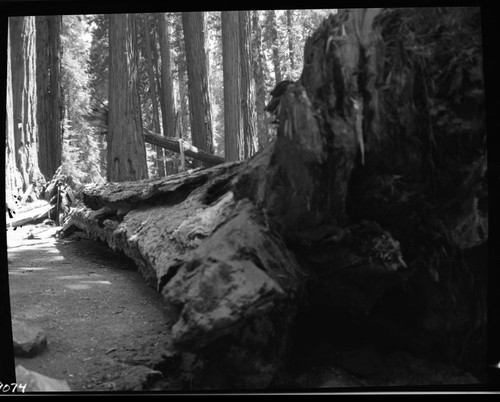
<point>160,163</point>
<point>258,68</point>
<point>233,139</point>
<point>13,179</point>
<point>247,91</point>
<point>183,114</point>
<point>126,151</point>
<point>23,64</point>
<point>166,78</point>
<point>318,238</point>
<point>49,105</point>
<point>273,37</point>
<point>194,26</point>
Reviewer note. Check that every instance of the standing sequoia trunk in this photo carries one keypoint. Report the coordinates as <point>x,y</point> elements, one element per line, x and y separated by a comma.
<point>167,87</point>
<point>160,163</point>
<point>48,29</point>
<point>13,179</point>
<point>126,150</point>
<point>247,92</point>
<point>194,26</point>
<point>182,117</point>
<point>23,65</point>
<point>233,139</point>
<point>166,78</point>
<point>275,45</point>
<point>337,231</point>
<point>258,68</point>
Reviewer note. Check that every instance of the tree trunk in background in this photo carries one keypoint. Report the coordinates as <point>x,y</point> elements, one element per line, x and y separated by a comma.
<point>48,29</point>
<point>247,92</point>
<point>258,68</point>
<point>166,78</point>
<point>183,113</point>
<point>23,63</point>
<point>167,86</point>
<point>13,179</point>
<point>157,72</point>
<point>160,163</point>
<point>275,45</point>
<point>233,141</point>
<point>289,24</point>
<point>194,27</point>
<point>126,150</point>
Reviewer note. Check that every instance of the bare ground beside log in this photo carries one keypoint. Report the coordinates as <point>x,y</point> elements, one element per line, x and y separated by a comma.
<point>103,323</point>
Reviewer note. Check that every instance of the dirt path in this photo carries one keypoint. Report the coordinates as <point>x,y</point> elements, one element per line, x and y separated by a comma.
<point>102,321</point>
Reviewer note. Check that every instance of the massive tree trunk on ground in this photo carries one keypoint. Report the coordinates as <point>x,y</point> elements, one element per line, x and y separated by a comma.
<point>126,151</point>
<point>48,70</point>
<point>335,233</point>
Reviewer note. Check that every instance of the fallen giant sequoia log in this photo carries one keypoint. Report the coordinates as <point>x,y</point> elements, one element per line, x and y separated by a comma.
<point>366,215</point>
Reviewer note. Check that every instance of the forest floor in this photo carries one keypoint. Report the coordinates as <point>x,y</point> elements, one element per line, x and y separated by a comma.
<point>100,317</point>
<point>103,322</point>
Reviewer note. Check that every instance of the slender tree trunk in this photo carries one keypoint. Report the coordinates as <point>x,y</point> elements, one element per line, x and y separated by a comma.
<point>182,116</point>
<point>275,46</point>
<point>48,29</point>
<point>247,91</point>
<point>233,141</point>
<point>291,52</point>
<point>183,94</point>
<point>126,150</point>
<point>23,64</point>
<point>194,26</point>
<point>259,68</point>
<point>160,163</point>
<point>157,73</point>
<point>167,94</point>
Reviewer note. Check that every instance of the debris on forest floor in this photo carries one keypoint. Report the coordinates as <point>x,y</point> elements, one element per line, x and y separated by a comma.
<point>70,291</point>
